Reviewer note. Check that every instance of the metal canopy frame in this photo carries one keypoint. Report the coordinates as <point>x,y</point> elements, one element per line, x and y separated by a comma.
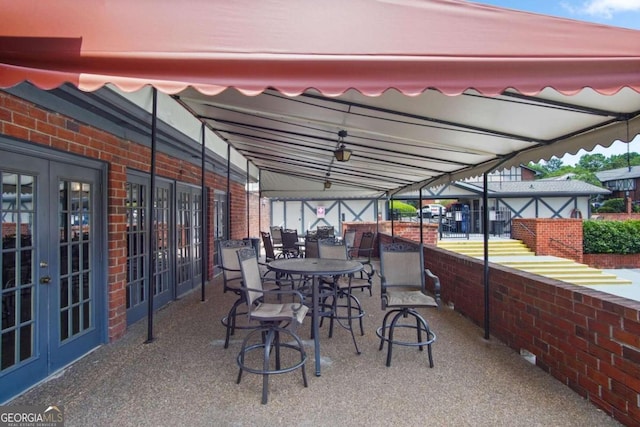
<point>400,143</point>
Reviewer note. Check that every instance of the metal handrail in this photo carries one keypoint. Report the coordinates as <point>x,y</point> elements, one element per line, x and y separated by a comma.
<point>551,239</point>
<point>527,229</point>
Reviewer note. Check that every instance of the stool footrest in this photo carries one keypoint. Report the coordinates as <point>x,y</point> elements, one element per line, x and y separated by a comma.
<point>387,330</point>
<point>271,347</point>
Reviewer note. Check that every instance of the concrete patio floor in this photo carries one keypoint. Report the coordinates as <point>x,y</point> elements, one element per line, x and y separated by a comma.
<point>186,377</point>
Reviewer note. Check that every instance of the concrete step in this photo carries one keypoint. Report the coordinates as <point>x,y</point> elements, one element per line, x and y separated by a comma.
<point>578,274</point>
<point>480,254</point>
<point>480,243</point>
<point>475,248</point>
<point>500,250</point>
<point>594,281</point>
<point>554,267</point>
<point>559,262</point>
<point>562,271</point>
<point>568,271</point>
<point>507,252</point>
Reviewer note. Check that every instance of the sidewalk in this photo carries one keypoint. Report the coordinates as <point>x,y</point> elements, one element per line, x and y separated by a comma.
<point>628,291</point>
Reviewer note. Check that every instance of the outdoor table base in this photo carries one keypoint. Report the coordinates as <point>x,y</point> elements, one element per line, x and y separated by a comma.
<point>314,268</point>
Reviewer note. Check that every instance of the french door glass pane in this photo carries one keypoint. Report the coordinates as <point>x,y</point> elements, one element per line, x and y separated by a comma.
<point>17,257</point>
<point>74,207</point>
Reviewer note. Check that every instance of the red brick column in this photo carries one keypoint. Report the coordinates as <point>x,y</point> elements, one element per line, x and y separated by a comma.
<point>411,231</point>
<point>550,236</point>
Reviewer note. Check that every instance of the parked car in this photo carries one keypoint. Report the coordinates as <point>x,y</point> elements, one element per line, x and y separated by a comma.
<point>431,210</point>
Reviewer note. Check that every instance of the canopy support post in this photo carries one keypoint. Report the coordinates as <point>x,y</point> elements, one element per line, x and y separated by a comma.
<point>485,229</point>
<point>228,220</point>
<point>248,201</point>
<point>376,212</point>
<point>393,235</point>
<point>259,202</point>
<point>149,221</point>
<point>420,214</point>
<point>204,240</point>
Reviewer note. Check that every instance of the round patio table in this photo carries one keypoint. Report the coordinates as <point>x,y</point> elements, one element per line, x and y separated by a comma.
<point>315,267</point>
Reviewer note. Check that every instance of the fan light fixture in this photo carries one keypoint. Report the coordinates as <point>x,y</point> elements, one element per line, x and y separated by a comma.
<point>342,154</point>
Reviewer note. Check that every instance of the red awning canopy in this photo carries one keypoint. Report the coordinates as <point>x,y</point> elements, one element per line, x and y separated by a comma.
<point>292,46</point>
<point>527,86</point>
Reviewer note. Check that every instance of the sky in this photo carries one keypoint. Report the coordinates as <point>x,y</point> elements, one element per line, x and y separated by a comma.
<point>618,13</point>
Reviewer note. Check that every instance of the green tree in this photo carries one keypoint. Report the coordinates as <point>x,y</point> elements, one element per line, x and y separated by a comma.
<point>540,169</point>
<point>552,167</point>
<point>554,164</point>
<point>592,162</point>
<point>617,161</point>
<point>587,176</point>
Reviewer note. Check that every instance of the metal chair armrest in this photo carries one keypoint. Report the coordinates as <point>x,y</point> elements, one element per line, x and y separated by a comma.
<point>383,290</point>
<point>222,267</point>
<point>436,284</point>
<point>295,294</point>
<point>372,270</point>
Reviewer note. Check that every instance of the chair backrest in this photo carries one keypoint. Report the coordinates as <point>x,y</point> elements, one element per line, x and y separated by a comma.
<point>229,259</point>
<point>349,238</point>
<point>332,249</point>
<point>250,271</point>
<point>289,238</point>
<point>269,252</point>
<point>365,248</point>
<point>311,246</point>
<point>276,234</point>
<point>325,231</point>
<point>402,264</point>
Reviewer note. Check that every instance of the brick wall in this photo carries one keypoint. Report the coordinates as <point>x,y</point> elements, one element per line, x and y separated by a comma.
<point>254,215</point>
<point>238,218</point>
<point>362,227</point>
<point>612,260</point>
<point>26,121</point>
<point>11,228</point>
<point>411,231</point>
<point>550,236</point>
<point>588,340</point>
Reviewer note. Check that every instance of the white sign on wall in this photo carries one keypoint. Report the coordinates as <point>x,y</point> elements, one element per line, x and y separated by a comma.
<point>320,211</point>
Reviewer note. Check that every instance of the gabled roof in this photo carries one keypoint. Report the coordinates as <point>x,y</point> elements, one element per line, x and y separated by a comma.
<point>621,173</point>
<point>537,188</point>
<point>511,189</point>
<point>565,177</point>
<point>430,91</point>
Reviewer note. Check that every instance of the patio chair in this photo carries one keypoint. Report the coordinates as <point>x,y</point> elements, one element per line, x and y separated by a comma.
<point>269,251</point>
<point>403,292</point>
<point>290,248</point>
<point>276,235</point>
<point>325,231</point>
<point>349,238</point>
<point>363,253</point>
<point>311,246</point>
<point>275,320</point>
<point>232,277</point>
<point>345,306</point>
